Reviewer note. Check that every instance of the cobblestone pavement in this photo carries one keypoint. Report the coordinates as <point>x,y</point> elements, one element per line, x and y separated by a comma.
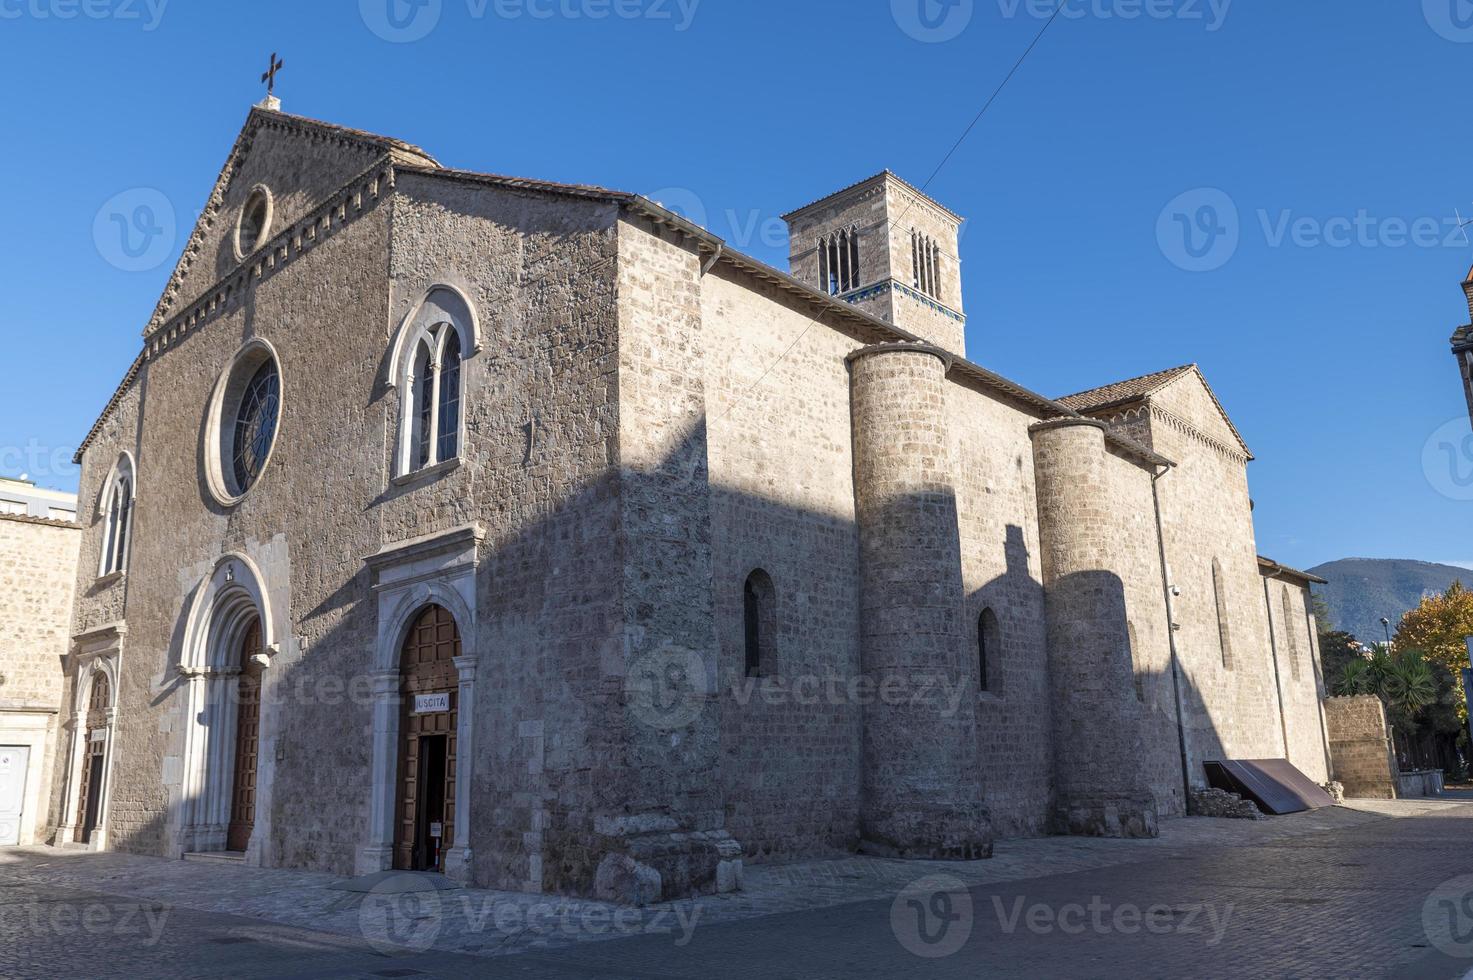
<point>1344,892</point>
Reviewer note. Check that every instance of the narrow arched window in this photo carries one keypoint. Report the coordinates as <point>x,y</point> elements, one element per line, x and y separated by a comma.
<point>423,388</point>
<point>1224,631</point>
<point>448,428</point>
<point>759,624</point>
<point>117,518</point>
<point>989,650</point>
<point>429,359</point>
<point>1135,667</point>
<point>1291,633</point>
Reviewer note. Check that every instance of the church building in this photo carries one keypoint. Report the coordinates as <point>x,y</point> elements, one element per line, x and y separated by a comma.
<point>529,533</point>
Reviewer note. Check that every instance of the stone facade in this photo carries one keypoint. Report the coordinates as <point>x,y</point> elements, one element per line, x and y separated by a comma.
<point>38,566</point>
<point>982,612</point>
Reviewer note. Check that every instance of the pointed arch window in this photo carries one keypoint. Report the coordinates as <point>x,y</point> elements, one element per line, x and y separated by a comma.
<point>433,399</point>
<point>429,358</point>
<point>1224,631</point>
<point>118,500</point>
<point>925,264</point>
<point>838,261</point>
<point>1291,633</point>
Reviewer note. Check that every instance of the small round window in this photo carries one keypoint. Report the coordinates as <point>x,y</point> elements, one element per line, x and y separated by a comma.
<point>245,415</point>
<point>254,224</point>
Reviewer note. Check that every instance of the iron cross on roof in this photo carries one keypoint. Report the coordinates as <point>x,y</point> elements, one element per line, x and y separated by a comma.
<point>269,76</point>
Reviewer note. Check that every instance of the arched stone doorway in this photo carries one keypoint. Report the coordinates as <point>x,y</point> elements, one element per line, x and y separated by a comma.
<point>426,647</point>
<point>424,811</point>
<point>91,787</point>
<point>224,778</point>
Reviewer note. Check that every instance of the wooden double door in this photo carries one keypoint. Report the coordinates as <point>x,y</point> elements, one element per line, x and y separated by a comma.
<point>428,687</point>
<point>94,760</point>
<point>247,743</point>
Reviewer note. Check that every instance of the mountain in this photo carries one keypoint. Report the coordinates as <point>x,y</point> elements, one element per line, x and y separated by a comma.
<point>1362,590</point>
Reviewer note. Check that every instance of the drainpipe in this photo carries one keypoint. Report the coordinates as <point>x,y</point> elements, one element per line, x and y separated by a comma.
<point>1168,590</point>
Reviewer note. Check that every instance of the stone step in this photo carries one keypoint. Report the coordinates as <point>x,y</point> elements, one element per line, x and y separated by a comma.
<point>216,857</point>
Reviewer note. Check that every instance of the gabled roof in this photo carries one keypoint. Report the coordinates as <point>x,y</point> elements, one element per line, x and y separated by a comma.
<point>406,158</point>
<point>1272,569</point>
<point>400,151</point>
<point>1133,390</point>
<point>1123,392</point>
<point>882,175</point>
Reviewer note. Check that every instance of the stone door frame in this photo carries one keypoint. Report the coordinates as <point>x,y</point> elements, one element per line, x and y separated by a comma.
<point>225,605</point>
<point>437,569</point>
<point>95,653</point>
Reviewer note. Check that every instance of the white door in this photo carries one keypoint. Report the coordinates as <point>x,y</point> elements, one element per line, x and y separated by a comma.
<point>13,760</point>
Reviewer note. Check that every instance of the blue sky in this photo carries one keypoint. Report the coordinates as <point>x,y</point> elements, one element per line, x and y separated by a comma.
<point>1265,188</point>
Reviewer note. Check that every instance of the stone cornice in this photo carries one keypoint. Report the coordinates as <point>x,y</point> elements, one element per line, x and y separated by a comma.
<point>354,199</point>
<point>1179,424</point>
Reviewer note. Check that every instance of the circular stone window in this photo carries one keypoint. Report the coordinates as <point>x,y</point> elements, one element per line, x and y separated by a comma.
<point>245,414</point>
<point>253,226</point>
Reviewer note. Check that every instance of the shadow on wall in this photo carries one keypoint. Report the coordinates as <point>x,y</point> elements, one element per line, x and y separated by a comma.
<point>612,682</point>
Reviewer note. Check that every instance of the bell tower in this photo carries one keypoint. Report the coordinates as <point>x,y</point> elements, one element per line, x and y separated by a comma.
<point>889,249</point>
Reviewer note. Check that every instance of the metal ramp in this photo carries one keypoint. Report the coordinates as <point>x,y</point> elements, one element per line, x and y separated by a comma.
<point>1274,784</point>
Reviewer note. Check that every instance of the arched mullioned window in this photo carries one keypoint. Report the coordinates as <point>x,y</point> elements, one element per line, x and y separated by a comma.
<point>435,396</point>
<point>989,650</point>
<point>117,516</point>
<point>838,261</point>
<point>1291,633</point>
<point>1224,631</point>
<point>428,360</point>
<point>925,260</point>
<point>759,624</point>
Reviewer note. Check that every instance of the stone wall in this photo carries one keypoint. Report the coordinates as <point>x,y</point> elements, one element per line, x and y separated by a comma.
<point>1300,677</point>
<point>38,569</point>
<point>1227,670</point>
<point>1360,746</point>
<point>779,449</point>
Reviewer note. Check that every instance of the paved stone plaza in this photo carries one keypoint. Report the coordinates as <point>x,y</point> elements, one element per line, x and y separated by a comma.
<point>1373,889</point>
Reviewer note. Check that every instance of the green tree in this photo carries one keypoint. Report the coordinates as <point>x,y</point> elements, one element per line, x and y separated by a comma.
<point>1439,627</point>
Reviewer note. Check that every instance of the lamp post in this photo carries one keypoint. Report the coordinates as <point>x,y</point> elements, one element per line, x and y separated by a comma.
<point>1386,626</point>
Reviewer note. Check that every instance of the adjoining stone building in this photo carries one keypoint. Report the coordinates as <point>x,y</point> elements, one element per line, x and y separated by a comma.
<point>528,532</point>
<point>39,538</point>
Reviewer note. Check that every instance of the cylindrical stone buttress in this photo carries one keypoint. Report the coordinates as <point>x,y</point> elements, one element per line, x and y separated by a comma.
<point>921,790</point>
<point>1099,788</point>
